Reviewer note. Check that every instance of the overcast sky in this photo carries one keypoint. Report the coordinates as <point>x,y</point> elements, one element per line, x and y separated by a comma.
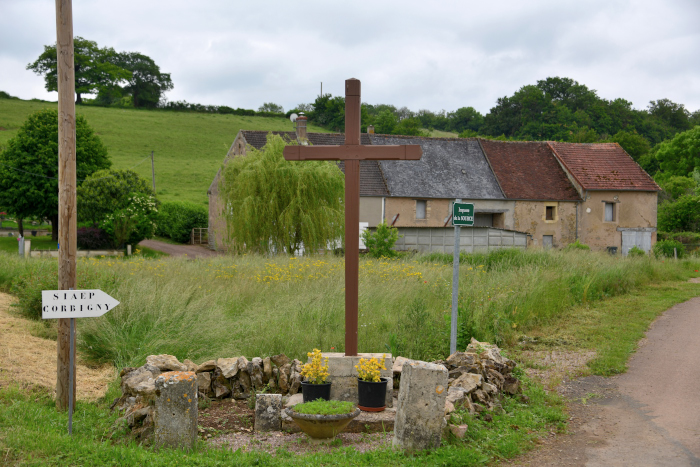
<point>424,55</point>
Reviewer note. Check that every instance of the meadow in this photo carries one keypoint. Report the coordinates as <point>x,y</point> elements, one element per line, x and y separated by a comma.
<point>257,306</point>
<point>188,147</point>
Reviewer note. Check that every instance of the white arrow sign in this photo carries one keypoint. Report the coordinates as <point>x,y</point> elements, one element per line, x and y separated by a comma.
<point>75,303</point>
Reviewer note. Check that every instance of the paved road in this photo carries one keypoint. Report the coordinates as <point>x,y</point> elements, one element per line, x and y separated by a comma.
<point>649,416</point>
<point>191,251</point>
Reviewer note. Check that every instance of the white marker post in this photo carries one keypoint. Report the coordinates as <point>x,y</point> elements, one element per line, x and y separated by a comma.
<point>60,304</point>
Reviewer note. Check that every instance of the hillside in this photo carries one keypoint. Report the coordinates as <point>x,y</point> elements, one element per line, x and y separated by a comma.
<point>189,147</point>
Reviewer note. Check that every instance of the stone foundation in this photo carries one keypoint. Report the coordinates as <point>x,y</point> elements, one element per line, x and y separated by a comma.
<point>343,375</point>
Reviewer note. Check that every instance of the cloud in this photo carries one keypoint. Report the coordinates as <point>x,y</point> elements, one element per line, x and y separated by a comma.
<point>432,56</point>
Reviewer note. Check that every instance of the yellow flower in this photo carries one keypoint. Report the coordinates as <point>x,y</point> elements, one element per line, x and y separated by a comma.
<point>368,369</point>
<point>316,371</point>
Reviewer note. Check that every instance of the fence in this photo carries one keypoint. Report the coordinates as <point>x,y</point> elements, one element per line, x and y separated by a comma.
<point>199,236</point>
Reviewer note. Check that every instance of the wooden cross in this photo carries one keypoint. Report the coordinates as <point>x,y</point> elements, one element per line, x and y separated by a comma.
<point>352,152</point>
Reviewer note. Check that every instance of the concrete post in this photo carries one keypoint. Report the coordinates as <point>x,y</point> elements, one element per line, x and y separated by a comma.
<point>128,250</point>
<point>176,410</point>
<point>268,412</point>
<point>27,248</point>
<point>420,412</point>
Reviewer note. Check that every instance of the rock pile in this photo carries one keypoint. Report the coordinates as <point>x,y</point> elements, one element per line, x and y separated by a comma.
<point>221,378</point>
<point>478,377</point>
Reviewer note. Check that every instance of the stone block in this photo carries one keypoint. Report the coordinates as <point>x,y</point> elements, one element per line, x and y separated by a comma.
<point>165,363</point>
<point>343,375</point>
<point>176,410</point>
<point>204,382</point>
<point>420,411</point>
<point>268,412</point>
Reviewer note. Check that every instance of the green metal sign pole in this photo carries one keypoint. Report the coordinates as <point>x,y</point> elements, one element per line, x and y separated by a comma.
<point>455,285</point>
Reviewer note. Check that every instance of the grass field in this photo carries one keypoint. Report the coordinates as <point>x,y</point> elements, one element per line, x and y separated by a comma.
<point>9,244</point>
<point>189,147</point>
<point>258,306</point>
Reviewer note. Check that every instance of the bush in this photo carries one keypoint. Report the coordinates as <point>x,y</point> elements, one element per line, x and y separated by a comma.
<point>177,219</point>
<point>92,238</point>
<point>381,242</point>
<point>665,249</point>
<point>636,252</point>
<point>577,246</point>
<point>133,223</point>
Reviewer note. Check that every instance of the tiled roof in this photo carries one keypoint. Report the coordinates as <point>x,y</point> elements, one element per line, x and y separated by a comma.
<point>449,168</point>
<point>371,179</point>
<point>529,170</point>
<point>603,166</point>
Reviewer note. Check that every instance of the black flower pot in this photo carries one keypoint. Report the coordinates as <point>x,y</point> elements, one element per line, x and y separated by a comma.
<point>311,391</point>
<point>372,396</point>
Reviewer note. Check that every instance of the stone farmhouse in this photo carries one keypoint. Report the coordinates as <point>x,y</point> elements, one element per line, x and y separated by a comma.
<point>540,194</point>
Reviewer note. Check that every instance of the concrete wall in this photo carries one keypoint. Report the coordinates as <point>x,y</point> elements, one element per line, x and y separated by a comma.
<point>472,239</point>
<point>438,210</point>
<point>633,210</point>
<point>530,217</point>
<point>371,210</point>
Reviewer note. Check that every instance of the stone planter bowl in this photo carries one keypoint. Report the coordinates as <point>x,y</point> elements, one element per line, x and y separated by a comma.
<point>322,426</point>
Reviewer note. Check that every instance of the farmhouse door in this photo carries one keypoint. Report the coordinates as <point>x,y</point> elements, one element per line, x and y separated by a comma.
<point>632,238</point>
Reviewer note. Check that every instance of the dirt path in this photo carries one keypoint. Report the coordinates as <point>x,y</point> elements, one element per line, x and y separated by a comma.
<point>191,251</point>
<point>31,361</point>
<point>647,416</point>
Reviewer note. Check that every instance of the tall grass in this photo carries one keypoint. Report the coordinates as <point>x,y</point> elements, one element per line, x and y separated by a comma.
<point>258,306</point>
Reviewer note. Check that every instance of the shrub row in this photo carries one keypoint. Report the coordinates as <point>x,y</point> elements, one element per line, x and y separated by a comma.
<point>177,219</point>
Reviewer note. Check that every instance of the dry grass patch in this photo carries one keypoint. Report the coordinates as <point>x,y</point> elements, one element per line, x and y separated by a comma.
<point>27,360</point>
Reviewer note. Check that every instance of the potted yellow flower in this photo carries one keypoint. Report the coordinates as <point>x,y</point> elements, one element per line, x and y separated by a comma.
<point>316,373</point>
<point>371,388</point>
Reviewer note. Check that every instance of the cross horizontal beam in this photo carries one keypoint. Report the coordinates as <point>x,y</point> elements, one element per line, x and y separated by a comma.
<point>412,152</point>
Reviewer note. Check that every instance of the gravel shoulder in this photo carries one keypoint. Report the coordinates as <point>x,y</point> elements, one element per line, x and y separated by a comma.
<point>191,251</point>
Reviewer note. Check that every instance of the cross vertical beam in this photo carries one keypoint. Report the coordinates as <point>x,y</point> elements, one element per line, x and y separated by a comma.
<point>352,216</point>
<point>352,152</point>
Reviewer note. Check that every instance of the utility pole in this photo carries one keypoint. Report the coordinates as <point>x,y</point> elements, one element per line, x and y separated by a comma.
<point>153,173</point>
<point>67,220</point>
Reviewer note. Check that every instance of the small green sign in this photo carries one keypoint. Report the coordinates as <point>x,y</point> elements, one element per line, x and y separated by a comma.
<point>463,214</point>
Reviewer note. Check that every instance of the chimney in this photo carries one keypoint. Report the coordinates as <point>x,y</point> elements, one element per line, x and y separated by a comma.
<point>370,129</point>
<point>301,129</point>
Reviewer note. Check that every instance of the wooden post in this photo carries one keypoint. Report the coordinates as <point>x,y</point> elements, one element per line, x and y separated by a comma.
<point>67,220</point>
<point>153,173</point>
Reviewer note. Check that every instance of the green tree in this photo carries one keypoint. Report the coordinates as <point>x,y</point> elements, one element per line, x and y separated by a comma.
<point>271,107</point>
<point>676,186</point>
<point>29,165</point>
<point>682,215</point>
<point>94,68</point>
<point>633,143</point>
<point>147,84</point>
<point>674,115</point>
<point>133,223</point>
<point>680,155</point>
<point>275,205</point>
<point>106,191</point>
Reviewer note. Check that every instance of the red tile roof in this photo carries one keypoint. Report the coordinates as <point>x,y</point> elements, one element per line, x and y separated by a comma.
<point>528,170</point>
<point>603,166</point>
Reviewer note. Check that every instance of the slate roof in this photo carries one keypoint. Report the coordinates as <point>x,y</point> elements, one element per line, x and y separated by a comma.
<point>529,170</point>
<point>603,166</point>
<point>449,168</point>
<point>371,179</point>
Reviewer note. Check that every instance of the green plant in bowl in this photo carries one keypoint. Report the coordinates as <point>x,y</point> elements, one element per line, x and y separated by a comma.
<point>322,419</point>
<point>323,407</point>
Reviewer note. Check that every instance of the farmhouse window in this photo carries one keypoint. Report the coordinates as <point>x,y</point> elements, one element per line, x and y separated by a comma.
<point>421,208</point>
<point>550,213</point>
<point>609,212</point>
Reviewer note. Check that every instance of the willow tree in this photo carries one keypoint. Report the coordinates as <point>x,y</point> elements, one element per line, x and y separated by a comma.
<point>273,205</point>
